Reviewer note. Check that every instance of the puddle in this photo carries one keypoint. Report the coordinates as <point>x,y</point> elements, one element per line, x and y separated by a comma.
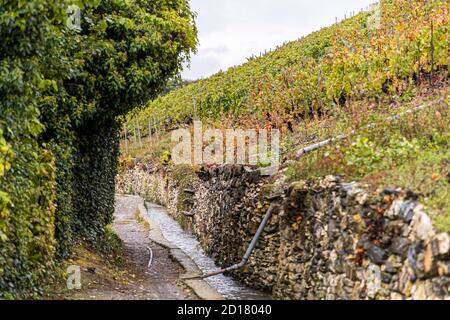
<point>172,231</point>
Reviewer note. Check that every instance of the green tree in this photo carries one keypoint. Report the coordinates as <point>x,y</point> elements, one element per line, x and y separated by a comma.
<point>123,57</point>
<point>63,93</point>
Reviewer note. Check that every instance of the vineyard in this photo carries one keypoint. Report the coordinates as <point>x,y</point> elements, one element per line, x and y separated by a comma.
<point>360,71</point>
<point>365,57</point>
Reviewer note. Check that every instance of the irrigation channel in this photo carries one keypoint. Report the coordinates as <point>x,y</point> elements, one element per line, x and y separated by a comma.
<point>225,285</point>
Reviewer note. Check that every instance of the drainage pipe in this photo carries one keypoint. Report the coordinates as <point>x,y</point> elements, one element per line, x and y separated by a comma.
<point>250,248</point>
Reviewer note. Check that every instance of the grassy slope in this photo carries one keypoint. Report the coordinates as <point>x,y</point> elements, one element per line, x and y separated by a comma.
<point>412,153</point>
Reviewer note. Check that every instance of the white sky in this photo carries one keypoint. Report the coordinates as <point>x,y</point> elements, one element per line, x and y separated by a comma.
<point>232,30</point>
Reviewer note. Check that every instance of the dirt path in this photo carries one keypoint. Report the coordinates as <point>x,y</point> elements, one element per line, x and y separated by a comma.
<point>134,281</point>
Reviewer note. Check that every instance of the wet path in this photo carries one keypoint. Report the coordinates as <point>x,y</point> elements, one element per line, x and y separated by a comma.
<point>134,280</point>
<point>172,231</point>
<point>161,281</point>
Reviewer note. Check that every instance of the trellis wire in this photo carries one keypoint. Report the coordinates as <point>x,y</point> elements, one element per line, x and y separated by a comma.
<point>126,137</point>
<point>150,131</point>
<point>156,131</point>
<point>139,133</point>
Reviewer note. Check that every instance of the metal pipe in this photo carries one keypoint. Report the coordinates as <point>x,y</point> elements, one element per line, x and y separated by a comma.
<point>250,248</point>
<point>319,145</point>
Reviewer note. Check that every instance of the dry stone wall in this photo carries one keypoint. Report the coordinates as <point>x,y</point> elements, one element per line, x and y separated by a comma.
<point>327,239</point>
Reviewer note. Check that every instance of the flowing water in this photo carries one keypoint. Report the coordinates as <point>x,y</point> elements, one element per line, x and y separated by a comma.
<point>172,231</point>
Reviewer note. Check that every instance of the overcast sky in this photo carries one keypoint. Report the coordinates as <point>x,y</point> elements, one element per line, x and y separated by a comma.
<point>232,30</point>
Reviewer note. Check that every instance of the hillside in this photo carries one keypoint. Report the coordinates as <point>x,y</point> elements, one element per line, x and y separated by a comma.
<point>354,60</point>
<point>354,73</point>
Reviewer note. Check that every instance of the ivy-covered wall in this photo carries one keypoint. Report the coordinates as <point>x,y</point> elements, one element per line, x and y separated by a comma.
<point>94,183</point>
<point>63,91</point>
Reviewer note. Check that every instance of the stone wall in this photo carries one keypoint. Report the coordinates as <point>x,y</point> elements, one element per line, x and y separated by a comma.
<point>327,239</point>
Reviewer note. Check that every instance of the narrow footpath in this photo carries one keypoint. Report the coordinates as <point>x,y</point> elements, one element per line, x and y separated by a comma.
<point>135,281</point>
